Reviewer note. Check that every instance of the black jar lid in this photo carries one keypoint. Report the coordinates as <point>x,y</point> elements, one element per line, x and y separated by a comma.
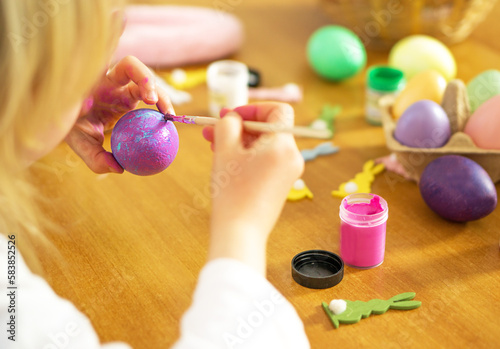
<point>253,77</point>
<point>317,269</point>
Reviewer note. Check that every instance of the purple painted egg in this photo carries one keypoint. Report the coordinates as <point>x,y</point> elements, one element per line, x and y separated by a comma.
<point>424,124</point>
<point>458,189</point>
<point>144,143</point>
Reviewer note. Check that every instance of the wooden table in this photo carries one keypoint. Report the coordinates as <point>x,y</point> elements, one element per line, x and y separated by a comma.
<point>129,257</point>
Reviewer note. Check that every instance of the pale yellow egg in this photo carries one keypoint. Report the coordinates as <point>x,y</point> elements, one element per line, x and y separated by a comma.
<point>417,53</point>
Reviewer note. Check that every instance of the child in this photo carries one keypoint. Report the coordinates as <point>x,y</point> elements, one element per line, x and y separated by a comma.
<point>52,53</point>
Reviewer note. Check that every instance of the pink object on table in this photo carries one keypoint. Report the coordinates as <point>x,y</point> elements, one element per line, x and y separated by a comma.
<point>173,36</point>
<point>362,230</point>
<point>289,93</point>
<point>392,164</point>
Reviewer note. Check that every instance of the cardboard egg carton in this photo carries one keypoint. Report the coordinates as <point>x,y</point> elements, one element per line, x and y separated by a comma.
<point>414,160</point>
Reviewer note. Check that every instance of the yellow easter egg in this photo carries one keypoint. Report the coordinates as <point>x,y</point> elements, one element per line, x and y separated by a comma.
<point>425,85</point>
<point>484,124</point>
<point>417,53</point>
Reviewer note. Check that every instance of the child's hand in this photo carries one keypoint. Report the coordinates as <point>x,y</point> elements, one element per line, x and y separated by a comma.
<point>252,175</point>
<point>119,91</point>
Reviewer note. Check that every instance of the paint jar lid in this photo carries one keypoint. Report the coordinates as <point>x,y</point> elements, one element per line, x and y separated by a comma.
<point>387,79</point>
<point>317,269</point>
<point>253,77</point>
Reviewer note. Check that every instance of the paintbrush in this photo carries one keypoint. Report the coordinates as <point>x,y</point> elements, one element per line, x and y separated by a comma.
<point>256,126</point>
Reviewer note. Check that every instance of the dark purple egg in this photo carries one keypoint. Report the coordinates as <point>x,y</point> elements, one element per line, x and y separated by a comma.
<point>458,189</point>
<point>424,124</point>
<point>144,143</point>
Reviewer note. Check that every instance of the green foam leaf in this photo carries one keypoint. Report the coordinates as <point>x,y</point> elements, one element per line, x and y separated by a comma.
<point>406,305</point>
<point>403,297</point>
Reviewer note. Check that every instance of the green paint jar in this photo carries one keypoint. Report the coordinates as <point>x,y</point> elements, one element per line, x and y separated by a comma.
<point>381,81</point>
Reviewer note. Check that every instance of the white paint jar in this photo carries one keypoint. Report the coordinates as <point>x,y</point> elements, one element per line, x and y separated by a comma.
<point>227,83</point>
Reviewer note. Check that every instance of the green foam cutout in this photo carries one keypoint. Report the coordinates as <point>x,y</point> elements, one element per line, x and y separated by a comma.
<point>328,115</point>
<point>356,310</point>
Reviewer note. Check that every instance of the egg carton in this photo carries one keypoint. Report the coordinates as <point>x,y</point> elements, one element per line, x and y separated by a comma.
<point>414,160</point>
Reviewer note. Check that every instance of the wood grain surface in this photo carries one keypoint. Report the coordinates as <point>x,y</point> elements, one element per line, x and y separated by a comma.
<point>132,247</point>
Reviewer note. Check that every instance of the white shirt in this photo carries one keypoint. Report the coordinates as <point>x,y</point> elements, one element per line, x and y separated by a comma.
<point>233,307</point>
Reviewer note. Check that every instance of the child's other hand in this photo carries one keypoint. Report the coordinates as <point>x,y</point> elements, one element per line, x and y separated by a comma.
<point>252,175</point>
<point>118,92</point>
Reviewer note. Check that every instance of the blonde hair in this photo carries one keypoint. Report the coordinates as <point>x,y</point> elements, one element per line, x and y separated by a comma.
<point>51,54</point>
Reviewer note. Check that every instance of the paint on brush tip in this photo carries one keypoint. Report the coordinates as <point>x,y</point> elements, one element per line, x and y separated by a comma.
<point>182,119</point>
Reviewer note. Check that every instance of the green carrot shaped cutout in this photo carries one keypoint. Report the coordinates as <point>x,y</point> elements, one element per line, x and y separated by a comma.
<point>328,115</point>
<point>358,309</point>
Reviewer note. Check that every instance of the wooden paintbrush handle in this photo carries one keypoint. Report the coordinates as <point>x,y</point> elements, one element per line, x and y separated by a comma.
<point>300,131</point>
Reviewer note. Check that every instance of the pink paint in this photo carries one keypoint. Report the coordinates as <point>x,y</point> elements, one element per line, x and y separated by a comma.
<point>87,105</point>
<point>180,118</point>
<point>363,219</point>
<point>365,208</point>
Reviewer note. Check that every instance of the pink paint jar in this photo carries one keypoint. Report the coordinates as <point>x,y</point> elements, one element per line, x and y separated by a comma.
<point>363,220</point>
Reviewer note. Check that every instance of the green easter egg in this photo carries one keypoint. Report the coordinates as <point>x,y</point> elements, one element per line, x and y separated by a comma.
<point>335,53</point>
<point>483,87</point>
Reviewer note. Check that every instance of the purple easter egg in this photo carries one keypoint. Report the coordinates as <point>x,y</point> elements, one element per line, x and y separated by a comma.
<point>458,189</point>
<point>144,143</point>
<point>424,124</point>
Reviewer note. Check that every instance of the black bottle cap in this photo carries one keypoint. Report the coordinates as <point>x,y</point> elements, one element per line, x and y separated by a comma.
<point>253,77</point>
<point>317,269</point>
